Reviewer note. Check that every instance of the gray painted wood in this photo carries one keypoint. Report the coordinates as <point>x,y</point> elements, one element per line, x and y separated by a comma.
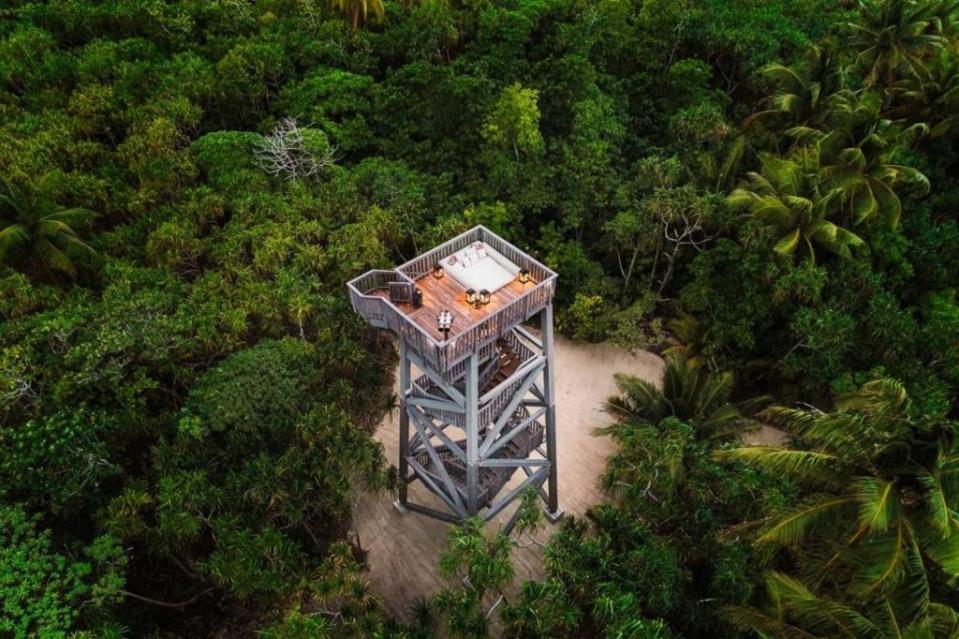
<point>447,394</point>
<point>472,435</point>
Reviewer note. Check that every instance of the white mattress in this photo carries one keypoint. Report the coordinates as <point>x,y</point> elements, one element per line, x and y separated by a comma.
<point>480,267</point>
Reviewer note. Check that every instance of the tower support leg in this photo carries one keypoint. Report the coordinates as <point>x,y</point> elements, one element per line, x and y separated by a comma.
<point>549,391</point>
<point>403,462</point>
<point>472,435</point>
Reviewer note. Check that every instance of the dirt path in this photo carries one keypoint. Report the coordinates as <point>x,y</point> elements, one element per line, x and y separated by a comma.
<point>403,549</point>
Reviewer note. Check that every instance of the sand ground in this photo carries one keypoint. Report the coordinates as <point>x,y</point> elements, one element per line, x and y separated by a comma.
<point>403,548</point>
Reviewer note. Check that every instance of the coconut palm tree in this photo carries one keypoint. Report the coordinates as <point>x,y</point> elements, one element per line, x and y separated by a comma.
<point>359,11</point>
<point>802,92</point>
<point>933,101</point>
<point>898,35</point>
<point>35,233</point>
<point>689,392</point>
<point>796,611</point>
<point>881,491</point>
<point>852,153</point>
<point>789,195</point>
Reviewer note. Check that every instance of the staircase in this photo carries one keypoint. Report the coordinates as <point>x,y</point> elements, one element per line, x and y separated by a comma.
<point>491,480</point>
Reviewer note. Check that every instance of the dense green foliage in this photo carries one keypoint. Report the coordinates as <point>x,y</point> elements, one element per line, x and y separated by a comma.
<point>765,188</point>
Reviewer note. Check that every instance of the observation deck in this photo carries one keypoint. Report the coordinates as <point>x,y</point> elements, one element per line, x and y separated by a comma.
<point>473,325</point>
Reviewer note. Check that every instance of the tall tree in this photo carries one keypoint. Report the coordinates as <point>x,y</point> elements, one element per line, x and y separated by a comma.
<point>36,233</point>
<point>795,611</point>
<point>689,392</point>
<point>788,197</point>
<point>898,35</point>
<point>881,493</point>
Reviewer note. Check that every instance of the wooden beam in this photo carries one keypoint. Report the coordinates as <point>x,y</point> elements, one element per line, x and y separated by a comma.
<point>513,463</point>
<point>513,404</point>
<point>516,430</point>
<point>423,402</point>
<point>519,373</point>
<point>428,481</point>
<point>472,434</point>
<point>549,390</point>
<point>443,437</point>
<point>534,480</point>
<point>404,422</point>
<point>528,336</point>
<point>454,394</point>
<point>441,468</point>
<point>432,512</point>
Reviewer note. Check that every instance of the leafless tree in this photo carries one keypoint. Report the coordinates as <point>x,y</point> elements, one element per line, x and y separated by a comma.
<point>292,151</point>
<point>685,229</point>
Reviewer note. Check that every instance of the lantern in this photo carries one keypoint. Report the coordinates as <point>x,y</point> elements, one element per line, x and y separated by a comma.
<point>523,275</point>
<point>470,296</point>
<point>483,298</point>
<point>438,271</point>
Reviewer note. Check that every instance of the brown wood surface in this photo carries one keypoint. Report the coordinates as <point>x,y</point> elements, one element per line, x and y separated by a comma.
<point>447,294</point>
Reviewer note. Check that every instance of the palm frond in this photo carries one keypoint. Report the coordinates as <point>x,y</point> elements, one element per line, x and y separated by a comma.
<point>879,505</point>
<point>792,526</point>
<point>809,468</point>
<point>882,563</point>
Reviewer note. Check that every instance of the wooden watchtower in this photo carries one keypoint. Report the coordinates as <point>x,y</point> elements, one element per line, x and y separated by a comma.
<point>480,396</point>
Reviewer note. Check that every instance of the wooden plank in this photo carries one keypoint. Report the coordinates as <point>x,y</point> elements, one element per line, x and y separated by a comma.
<point>447,294</point>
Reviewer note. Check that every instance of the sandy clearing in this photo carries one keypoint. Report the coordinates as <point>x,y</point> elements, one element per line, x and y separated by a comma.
<point>403,549</point>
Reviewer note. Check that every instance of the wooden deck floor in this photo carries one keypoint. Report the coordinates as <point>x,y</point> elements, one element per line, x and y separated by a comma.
<point>447,294</point>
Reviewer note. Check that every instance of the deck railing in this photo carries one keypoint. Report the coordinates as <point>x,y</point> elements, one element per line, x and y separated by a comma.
<point>442,356</point>
<point>422,264</point>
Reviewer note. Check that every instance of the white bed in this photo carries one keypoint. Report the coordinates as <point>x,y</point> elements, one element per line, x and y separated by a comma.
<point>478,266</point>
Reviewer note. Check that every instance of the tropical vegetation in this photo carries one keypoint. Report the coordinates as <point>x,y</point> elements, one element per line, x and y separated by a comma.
<point>764,192</point>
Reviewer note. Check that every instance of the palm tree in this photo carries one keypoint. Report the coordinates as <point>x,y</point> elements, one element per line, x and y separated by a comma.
<point>881,490</point>
<point>791,197</point>
<point>35,232</point>
<point>795,611</point>
<point>359,11</point>
<point>894,35</point>
<point>802,92</point>
<point>933,101</point>
<point>852,154</point>
<point>689,392</point>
